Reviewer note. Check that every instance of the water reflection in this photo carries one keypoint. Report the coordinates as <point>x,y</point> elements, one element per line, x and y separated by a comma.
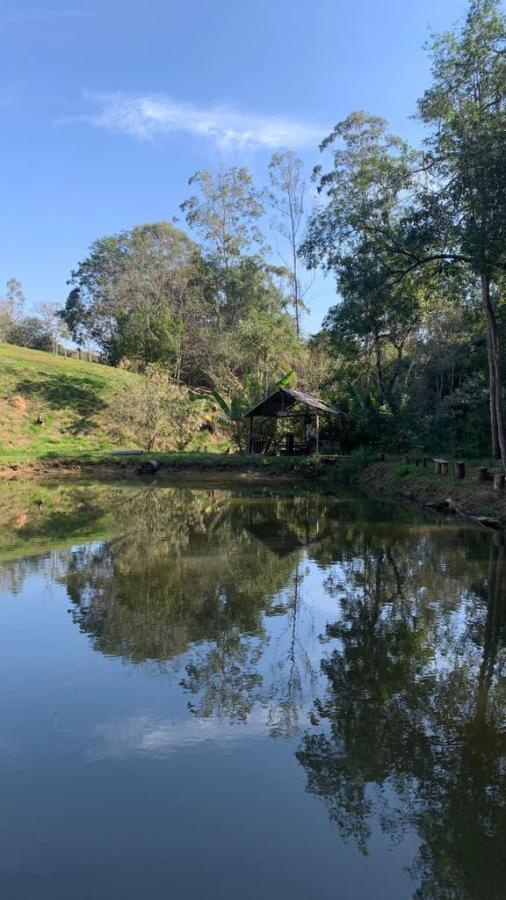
<point>411,721</point>
<point>371,639</point>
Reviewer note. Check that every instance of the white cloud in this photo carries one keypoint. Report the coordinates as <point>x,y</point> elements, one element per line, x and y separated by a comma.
<point>150,735</point>
<point>147,116</point>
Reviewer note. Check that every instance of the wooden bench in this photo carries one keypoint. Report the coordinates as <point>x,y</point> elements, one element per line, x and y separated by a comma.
<point>441,466</point>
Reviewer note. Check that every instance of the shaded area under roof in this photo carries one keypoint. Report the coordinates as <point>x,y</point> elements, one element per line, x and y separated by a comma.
<point>282,401</point>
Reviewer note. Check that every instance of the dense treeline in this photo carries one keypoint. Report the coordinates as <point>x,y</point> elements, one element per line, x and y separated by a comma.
<point>411,352</point>
<point>416,239</point>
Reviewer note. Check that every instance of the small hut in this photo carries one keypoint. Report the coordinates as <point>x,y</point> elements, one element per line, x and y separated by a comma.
<point>285,403</point>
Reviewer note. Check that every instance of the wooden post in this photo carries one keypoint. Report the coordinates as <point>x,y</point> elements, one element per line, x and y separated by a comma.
<point>317,432</point>
<point>250,442</point>
<point>460,469</point>
<point>499,479</point>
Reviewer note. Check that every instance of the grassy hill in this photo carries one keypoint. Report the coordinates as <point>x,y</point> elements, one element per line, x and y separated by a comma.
<point>72,397</point>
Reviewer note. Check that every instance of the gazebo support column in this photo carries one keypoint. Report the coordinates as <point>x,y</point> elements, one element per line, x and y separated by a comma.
<point>250,440</point>
<point>317,432</point>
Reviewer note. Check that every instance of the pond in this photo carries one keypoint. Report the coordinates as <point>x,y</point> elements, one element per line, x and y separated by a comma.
<point>220,692</point>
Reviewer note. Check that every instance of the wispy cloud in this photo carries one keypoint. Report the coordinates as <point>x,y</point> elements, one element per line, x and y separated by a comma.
<point>148,116</point>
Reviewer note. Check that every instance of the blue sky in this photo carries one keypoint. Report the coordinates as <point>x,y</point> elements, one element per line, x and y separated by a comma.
<point>108,108</point>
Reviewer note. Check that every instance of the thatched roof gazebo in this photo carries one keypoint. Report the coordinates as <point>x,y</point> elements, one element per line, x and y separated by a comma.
<point>286,402</point>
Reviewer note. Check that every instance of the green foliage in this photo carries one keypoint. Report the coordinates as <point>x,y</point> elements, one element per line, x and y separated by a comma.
<point>29,332</point>
<point>225,213</point>
<point>352,466</point>
<point>133,292</point>
<point>156,413</point>
<point>11,307</point>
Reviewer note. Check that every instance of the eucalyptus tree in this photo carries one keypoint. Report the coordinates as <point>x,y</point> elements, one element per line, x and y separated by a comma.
<point>225,213</point>
<point>362,192</point>
<point>464,198</point>
<point>363,195</point>
<point>286,196</point>
<point>11,306</point>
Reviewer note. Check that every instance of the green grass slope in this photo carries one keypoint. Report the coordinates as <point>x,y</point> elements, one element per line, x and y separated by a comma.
<point>73,397</point>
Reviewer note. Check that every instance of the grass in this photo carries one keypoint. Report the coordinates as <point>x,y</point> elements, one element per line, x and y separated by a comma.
<point>37,517</point>
<point>72,397</point>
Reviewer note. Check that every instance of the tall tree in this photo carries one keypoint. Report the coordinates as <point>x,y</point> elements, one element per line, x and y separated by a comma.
<point>379,317</point>
<point>11,306</point>
<point>362,190</point>
<point>466,164</point>
<point>363,198</point>
<point>53,323</point>
<point>77,318</point>
<point>286,196</point>
<point>225,213</point>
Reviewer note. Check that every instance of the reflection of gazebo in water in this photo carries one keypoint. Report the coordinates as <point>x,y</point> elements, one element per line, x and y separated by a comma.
<point>283,536</point>
<point>283,404</point>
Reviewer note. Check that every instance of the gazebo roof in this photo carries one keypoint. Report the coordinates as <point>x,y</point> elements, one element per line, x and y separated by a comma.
<point>281,402</point>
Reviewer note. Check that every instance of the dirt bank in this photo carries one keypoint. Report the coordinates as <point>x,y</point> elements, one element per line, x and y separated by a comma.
<point>183,467</point>
<point>445,493</point>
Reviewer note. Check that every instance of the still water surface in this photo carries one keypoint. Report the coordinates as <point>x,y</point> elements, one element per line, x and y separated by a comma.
<point>216,694</point>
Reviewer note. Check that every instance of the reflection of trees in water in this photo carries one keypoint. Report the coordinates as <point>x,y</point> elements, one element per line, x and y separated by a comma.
<point>197,573</point>
<point>292,677</point>
<point>411,725</point>
<point>182,572</point>
<point>190,572</point>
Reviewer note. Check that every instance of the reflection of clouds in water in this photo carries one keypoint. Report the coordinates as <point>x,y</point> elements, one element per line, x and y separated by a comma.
<point>151,735</point>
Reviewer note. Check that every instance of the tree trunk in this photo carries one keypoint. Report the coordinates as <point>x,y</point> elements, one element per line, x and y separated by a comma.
<point>493,417</point>
<point>379,371</point>
<point>296,289</point>
<point>495,614</point>
<point>495,373</point>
